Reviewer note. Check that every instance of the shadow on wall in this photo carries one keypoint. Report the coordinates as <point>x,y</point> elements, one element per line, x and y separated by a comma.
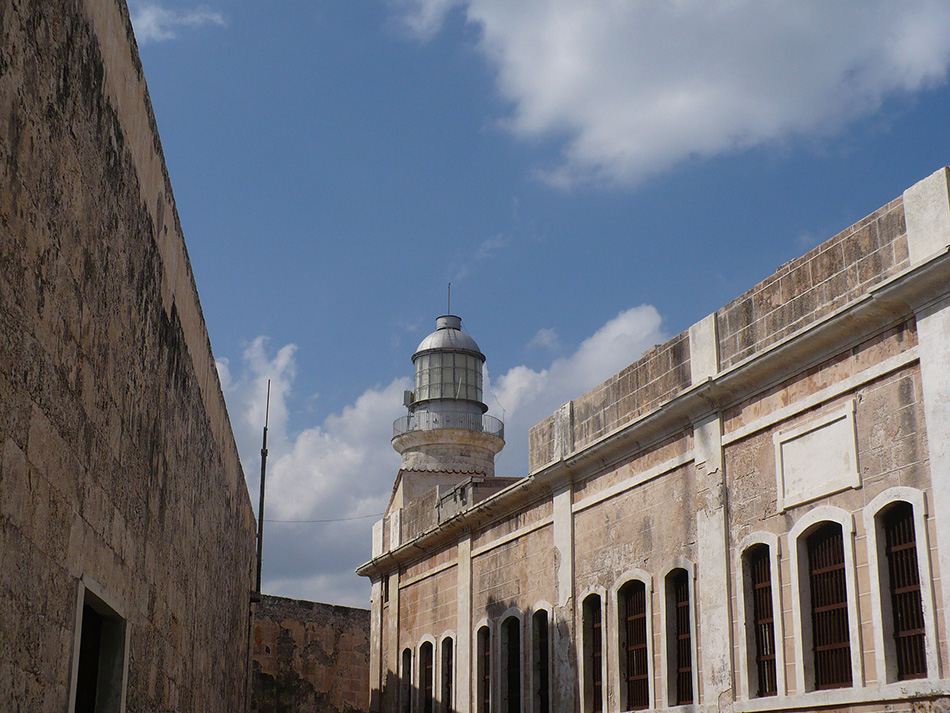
<point>520,661</point>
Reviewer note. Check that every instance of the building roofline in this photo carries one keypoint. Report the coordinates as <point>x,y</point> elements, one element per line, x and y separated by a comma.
<point>884,305</point>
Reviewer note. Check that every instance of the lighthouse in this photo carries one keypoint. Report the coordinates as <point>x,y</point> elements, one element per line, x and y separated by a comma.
<point>446,436</point>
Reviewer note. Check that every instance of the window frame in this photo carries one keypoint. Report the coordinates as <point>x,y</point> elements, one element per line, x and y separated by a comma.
<point>616,649</point>
<point>884,657</point>
<point>586,651</point>
<point>443,705</point>
<point>534,705</point>
<point>504,661</point>
<point>406,702</point>
<point>427,701</point>
<point>746,679</point>
<point>483,660</point>
<point>801,595</point>
<point>90,593</point>
<point>668,637</point>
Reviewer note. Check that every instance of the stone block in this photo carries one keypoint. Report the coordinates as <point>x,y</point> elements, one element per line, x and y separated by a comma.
<point>927,215</point>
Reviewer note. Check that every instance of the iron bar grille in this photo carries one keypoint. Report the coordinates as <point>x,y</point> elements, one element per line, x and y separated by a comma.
<point>484,678</point>
<point>679,581</point>
<point>829,608</point>
<point>907,612</point>
<point>513,664</point>
<point>763,621</point>
<point>595,653</point>
<point>448,676</point>
<point>634,612</point>
<point>542,694</point>
<point>425,668</point>
<point>405,688</point>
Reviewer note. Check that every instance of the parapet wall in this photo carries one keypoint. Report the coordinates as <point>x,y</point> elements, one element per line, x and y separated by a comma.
<point>801,292</point>
<point>814,285</point>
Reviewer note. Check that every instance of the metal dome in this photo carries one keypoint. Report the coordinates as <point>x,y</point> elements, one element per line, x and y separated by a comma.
<point>448,336</point>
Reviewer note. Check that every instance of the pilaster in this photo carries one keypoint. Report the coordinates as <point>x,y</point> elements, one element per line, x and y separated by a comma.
<point>565,676</point>
<point>375,643</point>
<point>463,647</point>
<point>933,335</point>
<point>712,565</point>
<point>392,656</point>
<point>927,216</point>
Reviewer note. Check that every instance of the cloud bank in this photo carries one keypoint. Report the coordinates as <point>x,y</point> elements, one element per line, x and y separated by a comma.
<point>635,88</point>
<point>342,470</point>
<point>154,23</point>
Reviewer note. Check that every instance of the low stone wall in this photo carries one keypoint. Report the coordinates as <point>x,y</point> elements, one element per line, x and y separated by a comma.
<point>309,657</point>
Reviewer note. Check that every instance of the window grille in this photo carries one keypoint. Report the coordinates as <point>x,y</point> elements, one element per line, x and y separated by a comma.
<point>426,674</point>
<point>484,670</point>
<point>512,660</point>
<point>542,695</point>
<point>829,608</point>
<point>405,687</point>
<point>907,612</point>
<point>763,621</point>
<point>448,676</point>
<point>594,644</point>
<point>678,581</point>
<point>636,674</point>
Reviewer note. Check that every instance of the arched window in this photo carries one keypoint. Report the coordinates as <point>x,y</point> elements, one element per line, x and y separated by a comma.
<point>593,655</point>
<point>902,597</point>
<point>905,615</point>
<point>824,594</point>
<point>448,675</point>
<point>511,665</point>
<point>827,578</point>
<point>760,624</point>
<point>540,649</point>
<point>483,670</point>
<point>634,658</point>
<point>405,682</point>
<point>679,633</point>
<point>426,677</point>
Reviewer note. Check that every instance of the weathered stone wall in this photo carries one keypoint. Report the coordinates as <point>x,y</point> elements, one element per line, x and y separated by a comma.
<point>309,657</point>
<point>118,469</point>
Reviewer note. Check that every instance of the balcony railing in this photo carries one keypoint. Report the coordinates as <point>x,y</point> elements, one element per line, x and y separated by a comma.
<point>429,421</point>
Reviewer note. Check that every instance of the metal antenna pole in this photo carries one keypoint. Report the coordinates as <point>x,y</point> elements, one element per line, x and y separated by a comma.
<point>449,311</point>
<point>260,509</point>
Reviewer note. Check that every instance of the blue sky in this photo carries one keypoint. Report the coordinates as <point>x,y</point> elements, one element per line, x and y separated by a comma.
<point>591,178</point>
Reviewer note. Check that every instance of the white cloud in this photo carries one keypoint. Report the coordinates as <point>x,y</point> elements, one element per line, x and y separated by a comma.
<point>486,250</point>
<point>154,23</point>
<point>528,396</point>
<point>635,88</point>
<point>343,468</point>
<point>340,469</point>
<point>545,339</point>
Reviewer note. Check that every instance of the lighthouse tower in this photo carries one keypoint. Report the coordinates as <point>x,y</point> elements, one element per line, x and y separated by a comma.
<point>446,435</point>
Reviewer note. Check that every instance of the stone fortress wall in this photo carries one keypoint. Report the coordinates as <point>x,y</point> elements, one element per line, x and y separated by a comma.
<point>309,657</point>
<point>819,400</point>
<point>122,499</point>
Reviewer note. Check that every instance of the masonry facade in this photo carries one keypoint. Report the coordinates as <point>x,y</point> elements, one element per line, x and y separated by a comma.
<point>126,530</point>
<point>753,516</point>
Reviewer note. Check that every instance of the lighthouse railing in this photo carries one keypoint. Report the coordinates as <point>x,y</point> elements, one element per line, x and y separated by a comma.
<point>431,421</point>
